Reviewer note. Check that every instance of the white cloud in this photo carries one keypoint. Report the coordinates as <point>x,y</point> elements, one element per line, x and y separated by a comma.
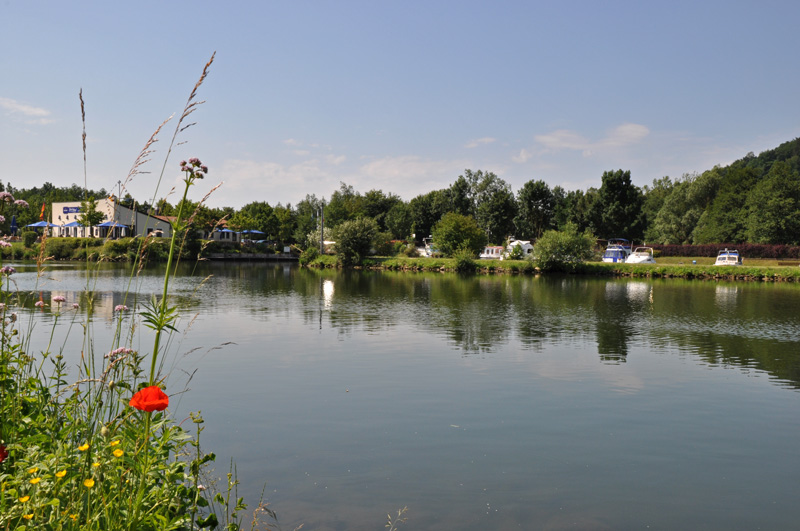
<point>524,156</point>
<point>624,135</point>
<point>335,160</point>
<point>479,142</point>
<point>34,115</point>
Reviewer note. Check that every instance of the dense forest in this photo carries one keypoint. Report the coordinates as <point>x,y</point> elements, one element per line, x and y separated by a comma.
<point>754,200</point>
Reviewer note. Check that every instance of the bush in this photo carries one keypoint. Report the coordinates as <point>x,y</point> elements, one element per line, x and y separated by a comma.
<point>411,251</point>
<point>383,244</point>
<point>354,240</point>
<point>563,251</point>
<point>308,256</point>
<point>454,232</point>
<point>464,260</point>
<point>29,238</point>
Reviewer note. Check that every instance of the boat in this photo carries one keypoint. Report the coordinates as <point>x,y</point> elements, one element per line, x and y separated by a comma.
<point>641,255</point>
<point>728,257</point>
<point>618,250</point>
<point>492,252</point>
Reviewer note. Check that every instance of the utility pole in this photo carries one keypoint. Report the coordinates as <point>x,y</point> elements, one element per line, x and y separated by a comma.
<point>322,228</point>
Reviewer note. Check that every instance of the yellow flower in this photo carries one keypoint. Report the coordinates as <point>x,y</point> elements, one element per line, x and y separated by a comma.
<point>27,516</point>
<point>88,483</point>
<point>84,447</point>
<point>95,465</point>
<point>74,517</point>
<point>61,474</point>
<point>114,443</point>
<point>33,470</point>
<point>34,481</point>
<point>24,499</point>
<point>118,453</point>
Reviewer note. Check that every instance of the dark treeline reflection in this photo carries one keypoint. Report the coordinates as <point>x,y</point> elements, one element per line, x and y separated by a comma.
<point>746,325</point>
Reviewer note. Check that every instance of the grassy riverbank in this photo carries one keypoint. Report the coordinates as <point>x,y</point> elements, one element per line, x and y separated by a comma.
<point>672,267</point>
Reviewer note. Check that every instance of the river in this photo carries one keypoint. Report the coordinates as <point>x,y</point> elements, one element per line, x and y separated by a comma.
<point>479,402</point>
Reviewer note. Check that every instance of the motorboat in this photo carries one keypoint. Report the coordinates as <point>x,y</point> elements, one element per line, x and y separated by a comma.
<point>618,250</point>
<point>728,257</point>
<point>641,255</point>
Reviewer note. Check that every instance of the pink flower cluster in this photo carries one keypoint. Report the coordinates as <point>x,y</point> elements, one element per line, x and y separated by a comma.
<point>118,352</point>
<point>120,308</point>
<point>194,168</point>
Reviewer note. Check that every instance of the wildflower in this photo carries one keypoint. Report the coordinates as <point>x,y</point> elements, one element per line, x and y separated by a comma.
<point>4,243</point>
<point>116,352</point>
<point>3,453</point>
<point>73,517</point>
<point>24,499</point>
<point>59,299</point>
<point>22,203</point>
<point>150,399</point>
<point>33,470</point>
<point>7,270</point>
<point>88,483</point>
<point>34,481</point>
<point>6,196</point>
<point>61,473</point>
<point>39,304</point>
<point>120,308</point>
<point>114,442</point>
<point>118,452</point>
<point>27,516</point>
<point>83,447</point>
<point>75,305</point>
<point>96,465</point>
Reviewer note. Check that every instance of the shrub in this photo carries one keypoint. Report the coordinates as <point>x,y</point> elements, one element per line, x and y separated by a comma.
<point>383,245</point>
<point>411,251</point>
<point>308,256</point>
<point>563,251</point>
<point>464,260</point>
<point>455,231</point>
<point>354,239</point>
<point>29,238</point>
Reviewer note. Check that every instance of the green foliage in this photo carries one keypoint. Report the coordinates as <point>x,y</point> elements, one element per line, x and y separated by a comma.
<point>773,207</point>
<point>463,260</point>
<point>89,216</point>
<point>563,250</point>
<point>454,232</point>
<point>354,240</point>
<point>382,244</point>
<point>308,256</point>
<point>536,209</point>
<point>29,238</point>
<point>617,213</point>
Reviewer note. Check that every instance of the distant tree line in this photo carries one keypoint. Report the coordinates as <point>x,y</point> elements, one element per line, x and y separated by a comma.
<point>753,200</point>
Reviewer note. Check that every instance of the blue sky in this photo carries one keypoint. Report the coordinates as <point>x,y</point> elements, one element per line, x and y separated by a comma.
<point>398,96</point>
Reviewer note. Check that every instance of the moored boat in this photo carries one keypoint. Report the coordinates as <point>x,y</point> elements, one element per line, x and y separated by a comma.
<point>641,255</point>
<point>618,250</point>
<point>728,257</point>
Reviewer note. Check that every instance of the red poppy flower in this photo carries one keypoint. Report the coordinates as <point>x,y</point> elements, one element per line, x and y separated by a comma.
<point>3,453</point>
<point>150,399</point>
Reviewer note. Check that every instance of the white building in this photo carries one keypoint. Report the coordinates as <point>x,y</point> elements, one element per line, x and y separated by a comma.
<point>118,221</point>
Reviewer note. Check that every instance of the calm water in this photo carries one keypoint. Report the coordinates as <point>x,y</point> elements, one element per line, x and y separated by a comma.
<point>484,402</point>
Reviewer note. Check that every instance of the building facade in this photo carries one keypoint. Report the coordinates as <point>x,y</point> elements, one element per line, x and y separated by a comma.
<point>118,221</point>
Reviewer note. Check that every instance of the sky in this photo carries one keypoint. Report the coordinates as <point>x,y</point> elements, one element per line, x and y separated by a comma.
<point>400,96</point>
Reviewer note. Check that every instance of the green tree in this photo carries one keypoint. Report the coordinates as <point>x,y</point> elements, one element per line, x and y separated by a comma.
<point>774,207</point>
<point>345,204</point>
<point>654,197</point>
<point>725,218</point>
<point>618,207</point>
<point>683,207</point>
<point>536,209</point>
<point>398,220</point>
<point>257,215</point>
<point>454,232</point>
<point>354,238</point>
<point>426,210</point>
<point>286,219</point>
<point>90,216</point>
<point>563,250</point>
